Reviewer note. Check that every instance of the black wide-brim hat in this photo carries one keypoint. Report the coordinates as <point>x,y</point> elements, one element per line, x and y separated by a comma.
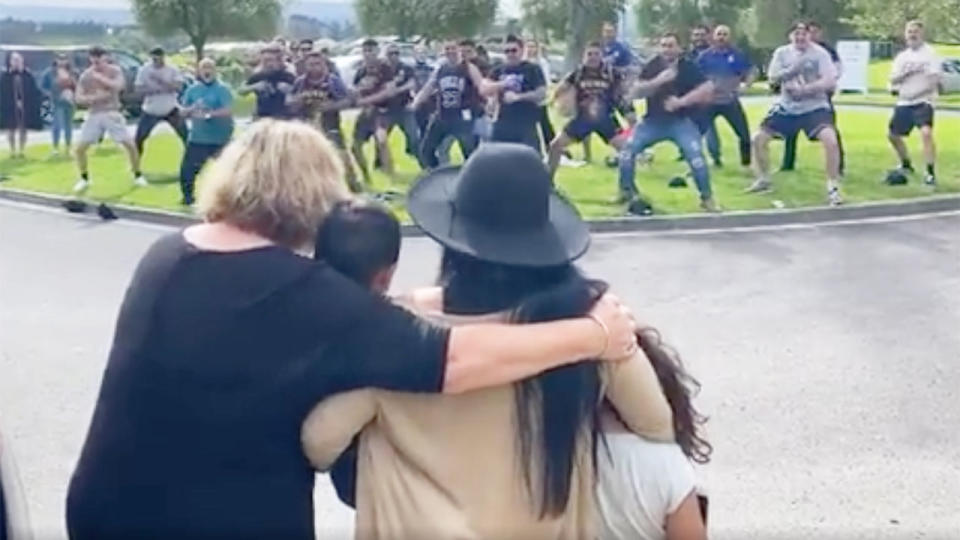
<point>499,207</point>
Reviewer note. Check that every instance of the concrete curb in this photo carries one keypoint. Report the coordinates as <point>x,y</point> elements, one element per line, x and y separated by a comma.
<point>687,222</point>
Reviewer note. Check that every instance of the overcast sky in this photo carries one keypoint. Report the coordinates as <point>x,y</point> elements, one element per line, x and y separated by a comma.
<point>506,6</point>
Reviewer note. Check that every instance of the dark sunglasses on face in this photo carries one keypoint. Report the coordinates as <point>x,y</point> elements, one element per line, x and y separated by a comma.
<point>511,50</point>
<point>393,53</point>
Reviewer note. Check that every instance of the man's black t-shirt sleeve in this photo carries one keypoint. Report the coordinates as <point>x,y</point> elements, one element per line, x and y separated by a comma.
<point>651,69</point>
<point>373,343</point>
<point>692,76</point>
<point>536,78</point>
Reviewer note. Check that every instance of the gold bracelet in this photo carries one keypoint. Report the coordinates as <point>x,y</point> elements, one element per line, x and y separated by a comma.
<point>606,333</point>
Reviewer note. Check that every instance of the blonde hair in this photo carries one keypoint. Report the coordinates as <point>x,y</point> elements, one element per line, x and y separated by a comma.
<point>277,179</point>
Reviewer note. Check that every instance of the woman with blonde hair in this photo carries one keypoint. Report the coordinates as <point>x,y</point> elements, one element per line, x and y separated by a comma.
<point>227,337</point>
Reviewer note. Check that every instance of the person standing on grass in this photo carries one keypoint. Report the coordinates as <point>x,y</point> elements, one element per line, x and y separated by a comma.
<point>519,87</point>
<point>59,82</point>
<point>99,90</point>
<point>318,96</point>
<point>19,103</point>
<point>534,54</point>
<point>397,112</point>
<point>915,77</point>
<point>271,83</point>
<point>482,121</point>
<point>806,76</point>
<point>160,84</point>
<point>790,146</point>
<point>597,90</point>
<point>727,68</point>
<point>373,83</point>
<point>452,84</point>
<point>674,89</point>
<point>208,105</point>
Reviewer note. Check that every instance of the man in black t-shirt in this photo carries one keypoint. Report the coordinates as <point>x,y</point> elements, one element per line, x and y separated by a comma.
<point>271,83</point>
<point>398,114</point>
<point>452,84</point>
<point>674,88</point>
<point>790,144</point>
<point>520,88</point>
<point>374,85</point>
<point>597,90</point>
<point>317,97</point>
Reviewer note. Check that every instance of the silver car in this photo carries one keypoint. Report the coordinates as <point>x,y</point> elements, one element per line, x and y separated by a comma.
<point>950,81</point>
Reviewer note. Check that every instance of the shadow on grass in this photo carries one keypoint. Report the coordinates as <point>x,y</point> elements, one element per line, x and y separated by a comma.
<point>163,179</point>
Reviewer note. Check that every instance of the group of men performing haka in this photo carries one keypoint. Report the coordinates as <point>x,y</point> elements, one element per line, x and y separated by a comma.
<point>684,93</point>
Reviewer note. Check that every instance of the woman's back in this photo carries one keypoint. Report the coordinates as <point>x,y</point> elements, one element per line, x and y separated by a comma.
<point>217,359</point>
<point>449,466</point>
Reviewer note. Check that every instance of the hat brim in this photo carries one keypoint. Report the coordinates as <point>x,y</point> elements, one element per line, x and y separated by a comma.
<point>562,239</point>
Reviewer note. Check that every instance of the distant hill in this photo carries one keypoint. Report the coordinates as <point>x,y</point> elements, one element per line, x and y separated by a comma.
<point>321,10</point>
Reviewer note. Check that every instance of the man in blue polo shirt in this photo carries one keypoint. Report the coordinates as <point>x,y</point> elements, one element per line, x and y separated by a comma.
<point>208,105</point>
<point>615,53</point>
<point>727,68</point>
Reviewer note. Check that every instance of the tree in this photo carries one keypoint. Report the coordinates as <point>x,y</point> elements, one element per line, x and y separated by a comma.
<point>427,18</point>
<point>572,21</point>
<point>885,19</point>
<point>201,20</point>
<point>658,16</point>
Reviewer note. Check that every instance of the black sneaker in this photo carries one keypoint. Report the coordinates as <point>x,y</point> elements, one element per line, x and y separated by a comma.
<point>677,182</point>
<point>640,207</point>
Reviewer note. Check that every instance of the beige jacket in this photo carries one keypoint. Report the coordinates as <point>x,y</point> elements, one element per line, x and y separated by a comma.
<point>446,467</point>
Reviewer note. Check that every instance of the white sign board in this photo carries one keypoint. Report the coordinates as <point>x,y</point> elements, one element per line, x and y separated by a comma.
<point>854,62</point>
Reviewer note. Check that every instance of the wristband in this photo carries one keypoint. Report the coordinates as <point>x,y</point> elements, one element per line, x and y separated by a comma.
<point>606,333</point>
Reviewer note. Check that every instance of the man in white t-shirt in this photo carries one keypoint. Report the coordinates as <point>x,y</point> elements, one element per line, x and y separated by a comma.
<point>915,78</point>
<point>159,83</point>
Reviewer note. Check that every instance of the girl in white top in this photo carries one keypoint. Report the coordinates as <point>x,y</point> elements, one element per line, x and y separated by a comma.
<point>646,490</point>
<point>915,78</point>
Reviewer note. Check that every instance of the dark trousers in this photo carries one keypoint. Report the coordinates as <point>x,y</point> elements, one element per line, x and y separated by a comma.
<point>546,128</point>
<point>194,158</point>
<point>790,147</point>
<point>439,129</point>
<point>148,122</point>
<point>516,132</point>
<point>734,114</point>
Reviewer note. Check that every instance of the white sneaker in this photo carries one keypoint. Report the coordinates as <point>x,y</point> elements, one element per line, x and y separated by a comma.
<point>140,181</point>
<point>574,163</point>
<point>834,196</point>
<point>81,185</point>
<point>760,185</point>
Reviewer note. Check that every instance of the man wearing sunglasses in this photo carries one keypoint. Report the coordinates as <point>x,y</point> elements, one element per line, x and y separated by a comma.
<point>520,88</point>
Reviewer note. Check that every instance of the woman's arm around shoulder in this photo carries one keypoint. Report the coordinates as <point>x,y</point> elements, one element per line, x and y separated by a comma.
<point>634,391</point>
<point>333,423</point>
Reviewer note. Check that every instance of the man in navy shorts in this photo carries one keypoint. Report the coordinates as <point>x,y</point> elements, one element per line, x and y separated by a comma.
<point>806,76</point>
<point>597,90</point>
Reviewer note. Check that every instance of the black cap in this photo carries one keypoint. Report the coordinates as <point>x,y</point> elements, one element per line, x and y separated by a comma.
<point>156,51</point>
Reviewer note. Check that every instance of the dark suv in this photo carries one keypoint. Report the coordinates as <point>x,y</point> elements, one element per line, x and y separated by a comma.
<point>38,59</point>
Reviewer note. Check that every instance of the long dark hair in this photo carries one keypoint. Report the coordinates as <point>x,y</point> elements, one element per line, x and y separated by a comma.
<point>680,388</point>
<point>557,411</point>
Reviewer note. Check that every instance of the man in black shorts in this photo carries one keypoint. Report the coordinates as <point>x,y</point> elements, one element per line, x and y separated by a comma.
<point>317,97</point>
<point>373,84</point>
<point>806,75</point>
<point>452,83</point>
<point>915,79</point>
<point>790,146</point>
<point>597,89</point>
<point>520,88</point>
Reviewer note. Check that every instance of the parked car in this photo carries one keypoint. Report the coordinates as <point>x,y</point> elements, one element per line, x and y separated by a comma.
<point>38,59</point>
<point>950,81</point>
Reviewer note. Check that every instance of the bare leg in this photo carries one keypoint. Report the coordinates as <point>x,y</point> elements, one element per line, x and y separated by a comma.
<point>831,153</point>
<point>899,147</point>
<point>12,137</point>
<point>761,154</point>
<point>587,153</point>
<point>357,149</point>
<point>133,156</point>
<point>557,146</point>
<point>352,182</point>
<point>82,158</point>
<point>929,146</point>
<point>386,160</point>
<point>23,140</point>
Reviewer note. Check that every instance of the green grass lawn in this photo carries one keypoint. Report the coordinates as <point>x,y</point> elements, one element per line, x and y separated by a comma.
<point>592,187</point>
